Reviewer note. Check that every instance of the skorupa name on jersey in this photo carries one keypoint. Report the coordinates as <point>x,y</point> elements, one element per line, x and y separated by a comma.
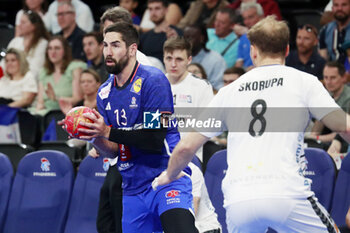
<point>261,85</point>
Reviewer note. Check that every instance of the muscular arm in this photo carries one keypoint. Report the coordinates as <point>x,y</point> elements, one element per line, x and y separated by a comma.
<point>105,147</point>
<point>338,121</point>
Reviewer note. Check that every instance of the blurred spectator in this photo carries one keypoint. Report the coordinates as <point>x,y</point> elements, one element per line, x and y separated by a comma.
<point>119,14</point>
<point>270,7</point>
<point>334,80</point>
<point>93,49</point>
<point>222,39</point>
<point>232,74</point>
<point>335,33</point>
<point>18,87</point>
<point>59,78</point>
<point>151,42</point>
<point>70,30</point>
<point>202,12</point>
<point>213,63</point>
<point>327,15</point>
<point>197,70</point>
<point>172,16</point>
<point>38,6</point>
<point>89,83</point>
<point>32,40</point>
<point>131,5</point>
<point>83,14</point>
<point>251,13</point>
<point>306,57</point>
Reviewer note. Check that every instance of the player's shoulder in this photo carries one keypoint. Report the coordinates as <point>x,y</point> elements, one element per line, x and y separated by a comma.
<point>151,74</point>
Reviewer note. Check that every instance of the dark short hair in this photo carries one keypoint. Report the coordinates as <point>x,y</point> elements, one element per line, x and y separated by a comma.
<point>127,30</point>
<point>338,65</point>
<point>164,2</point>
<point>97,35</point>
<point>233,14</point>
<point>235,70</point>
<point>179,43</point>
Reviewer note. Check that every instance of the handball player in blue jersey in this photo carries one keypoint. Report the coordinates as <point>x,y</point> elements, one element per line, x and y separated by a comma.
<point>136,93</point>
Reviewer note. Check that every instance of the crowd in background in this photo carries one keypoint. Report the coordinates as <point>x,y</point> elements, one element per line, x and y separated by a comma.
<point>55,61</point>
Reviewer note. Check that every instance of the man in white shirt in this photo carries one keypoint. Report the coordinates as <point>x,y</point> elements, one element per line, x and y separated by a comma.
<point>190,92</point>
<point>83,16</point>
<point>264,185</point>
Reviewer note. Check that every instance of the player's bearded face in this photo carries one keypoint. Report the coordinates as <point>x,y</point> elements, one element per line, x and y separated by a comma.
<point>118,65</point>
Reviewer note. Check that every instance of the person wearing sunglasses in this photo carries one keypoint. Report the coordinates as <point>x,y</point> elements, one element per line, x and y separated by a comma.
<point>305,57</point>
<point>333,34</point>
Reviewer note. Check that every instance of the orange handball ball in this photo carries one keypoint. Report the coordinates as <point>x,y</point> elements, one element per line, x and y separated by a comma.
<point>73,118</point>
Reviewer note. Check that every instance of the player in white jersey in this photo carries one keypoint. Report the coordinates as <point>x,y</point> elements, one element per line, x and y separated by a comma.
<point>264,185</point>
<point>190,92</point>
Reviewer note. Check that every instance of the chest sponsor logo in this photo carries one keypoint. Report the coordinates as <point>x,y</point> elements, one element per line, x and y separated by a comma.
<point>136,87</point>
<point>108,107</point>
<point>133,103</point>
<point>104,92</point>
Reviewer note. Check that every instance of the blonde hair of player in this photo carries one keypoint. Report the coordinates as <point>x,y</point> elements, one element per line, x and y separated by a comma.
<point>269,40</point>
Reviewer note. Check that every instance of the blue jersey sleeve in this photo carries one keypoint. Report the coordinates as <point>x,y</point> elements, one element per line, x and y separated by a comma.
<point>157,94</point>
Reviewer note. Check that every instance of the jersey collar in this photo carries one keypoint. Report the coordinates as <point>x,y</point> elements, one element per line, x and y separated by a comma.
<point>130,79</point>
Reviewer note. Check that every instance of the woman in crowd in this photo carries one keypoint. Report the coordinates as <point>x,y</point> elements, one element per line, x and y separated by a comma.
<point>38,6</point>
<point>197,70</point>
<point>90,81</point>
<point>32,40</point>
<point>18,87</point>
<point>59,79</point>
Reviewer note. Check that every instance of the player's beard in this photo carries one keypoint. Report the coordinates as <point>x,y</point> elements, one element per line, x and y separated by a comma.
<point>119,66</point>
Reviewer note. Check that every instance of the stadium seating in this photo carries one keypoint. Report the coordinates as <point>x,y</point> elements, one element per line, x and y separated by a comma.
<point>85,197</point>
<point>215,172</point>
<point>6,175</point>
<point>322,171</point>
<point>57,115</point>
<point>341,196</point>
<point>29,127</point>
<point>15,152</point>
<point>40,193</point>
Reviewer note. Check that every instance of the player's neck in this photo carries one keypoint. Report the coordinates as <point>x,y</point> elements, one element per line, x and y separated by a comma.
<point>270,61</point>
<point>123,76</point>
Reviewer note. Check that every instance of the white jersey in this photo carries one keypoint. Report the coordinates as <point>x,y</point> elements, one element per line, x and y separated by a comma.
<point>265,152</point>
<point>206,218</point>
<point>192,92</point>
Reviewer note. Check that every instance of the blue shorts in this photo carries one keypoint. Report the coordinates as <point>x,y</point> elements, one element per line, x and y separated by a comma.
<point>141,211</point>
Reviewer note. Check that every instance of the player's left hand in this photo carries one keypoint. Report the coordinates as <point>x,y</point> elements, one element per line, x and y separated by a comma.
<point>97,128</point>
<point>164,179</point>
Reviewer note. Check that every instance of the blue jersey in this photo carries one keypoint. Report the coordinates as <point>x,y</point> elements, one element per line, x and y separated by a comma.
<point>146,91</point>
